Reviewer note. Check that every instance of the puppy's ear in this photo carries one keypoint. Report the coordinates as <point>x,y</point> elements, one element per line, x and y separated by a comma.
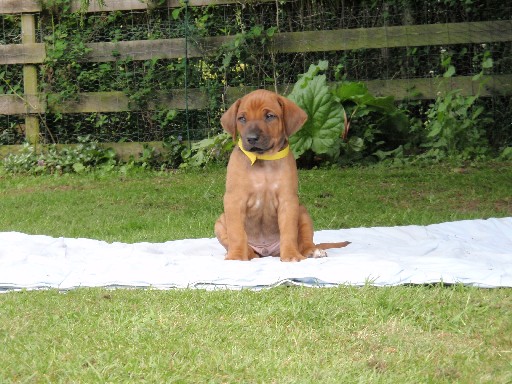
<point>294,116</point>
<point>228,119</point>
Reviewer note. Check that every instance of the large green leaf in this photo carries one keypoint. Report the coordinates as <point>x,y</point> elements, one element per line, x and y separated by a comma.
<point>325,115</point>
<point>351,91</point>
<point>358,93</point>
<point>313,70</point>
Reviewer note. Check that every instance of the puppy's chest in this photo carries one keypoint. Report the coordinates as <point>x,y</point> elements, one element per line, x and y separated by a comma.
<point>264,195</point>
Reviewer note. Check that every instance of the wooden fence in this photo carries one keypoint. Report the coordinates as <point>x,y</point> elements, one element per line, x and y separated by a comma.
<point>29,53</point>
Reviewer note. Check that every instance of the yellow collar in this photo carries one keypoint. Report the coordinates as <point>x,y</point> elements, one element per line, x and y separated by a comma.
<point>254,156</point>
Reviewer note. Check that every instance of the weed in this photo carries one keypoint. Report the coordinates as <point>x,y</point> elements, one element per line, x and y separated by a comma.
<point>210,151</point>
<point>84,156</point>
<point>455,125</point>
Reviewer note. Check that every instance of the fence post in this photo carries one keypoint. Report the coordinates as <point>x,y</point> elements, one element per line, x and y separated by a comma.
<point>28,35</point>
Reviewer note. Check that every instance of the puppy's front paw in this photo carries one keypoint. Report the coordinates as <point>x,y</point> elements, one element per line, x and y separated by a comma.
<point>291,256</point>
<point>233,256</point>
<point>249,254</point>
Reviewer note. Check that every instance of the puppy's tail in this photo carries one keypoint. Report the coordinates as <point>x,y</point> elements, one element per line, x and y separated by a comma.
<point>325,246</point>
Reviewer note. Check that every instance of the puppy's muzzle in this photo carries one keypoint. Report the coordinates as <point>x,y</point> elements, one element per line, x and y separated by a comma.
<point>256,141</point>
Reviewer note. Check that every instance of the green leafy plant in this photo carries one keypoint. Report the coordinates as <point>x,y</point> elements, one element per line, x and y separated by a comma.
<point>454,128</point>
<point>211,151</point>
<point>506,154</point>
<point>23,162</point>
<point>168,157</point>
<point>256,36</point>
<point>6,85</point>
<point>172,154</point>
<point>84,156</point>
<point>376,120</point>
<point>455,125</point>
<point>331,112</point>
<point>65,48</point>
<point>325,115</point>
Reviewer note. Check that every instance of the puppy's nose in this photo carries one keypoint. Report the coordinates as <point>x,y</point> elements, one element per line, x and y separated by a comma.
<point>252,138</point>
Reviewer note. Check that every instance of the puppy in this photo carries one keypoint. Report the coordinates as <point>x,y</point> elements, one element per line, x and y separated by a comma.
<point>262,215</point>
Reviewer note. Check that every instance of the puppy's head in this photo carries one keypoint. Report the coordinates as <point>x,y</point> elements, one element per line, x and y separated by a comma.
<point>264,120</point>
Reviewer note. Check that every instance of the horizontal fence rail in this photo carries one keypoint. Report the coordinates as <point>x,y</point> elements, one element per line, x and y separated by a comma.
<point>414,89</point>
<point>287,42</point>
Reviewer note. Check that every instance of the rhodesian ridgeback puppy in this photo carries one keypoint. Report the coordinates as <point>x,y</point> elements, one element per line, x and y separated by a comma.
<point>262,215</point>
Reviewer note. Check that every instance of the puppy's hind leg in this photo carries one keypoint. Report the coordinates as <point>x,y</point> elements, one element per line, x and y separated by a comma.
<point>306,246</point>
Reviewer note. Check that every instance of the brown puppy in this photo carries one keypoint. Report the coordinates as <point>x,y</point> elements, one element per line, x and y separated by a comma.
<point>262,215</point>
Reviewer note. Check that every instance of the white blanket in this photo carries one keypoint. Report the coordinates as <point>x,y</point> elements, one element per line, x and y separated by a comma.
<point>474,252</point>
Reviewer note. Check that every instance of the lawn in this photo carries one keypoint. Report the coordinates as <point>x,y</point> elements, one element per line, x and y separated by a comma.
<point>158,207</point>
<point>408,334</point>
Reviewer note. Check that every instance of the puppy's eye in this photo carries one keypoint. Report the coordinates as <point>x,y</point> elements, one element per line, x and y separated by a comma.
<point>242,119</point>
<point>270,116</point>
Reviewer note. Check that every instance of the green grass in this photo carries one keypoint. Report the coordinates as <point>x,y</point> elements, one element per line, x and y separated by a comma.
<point>409,334</point>
<point>161,207</point>
<point>283,335</point>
